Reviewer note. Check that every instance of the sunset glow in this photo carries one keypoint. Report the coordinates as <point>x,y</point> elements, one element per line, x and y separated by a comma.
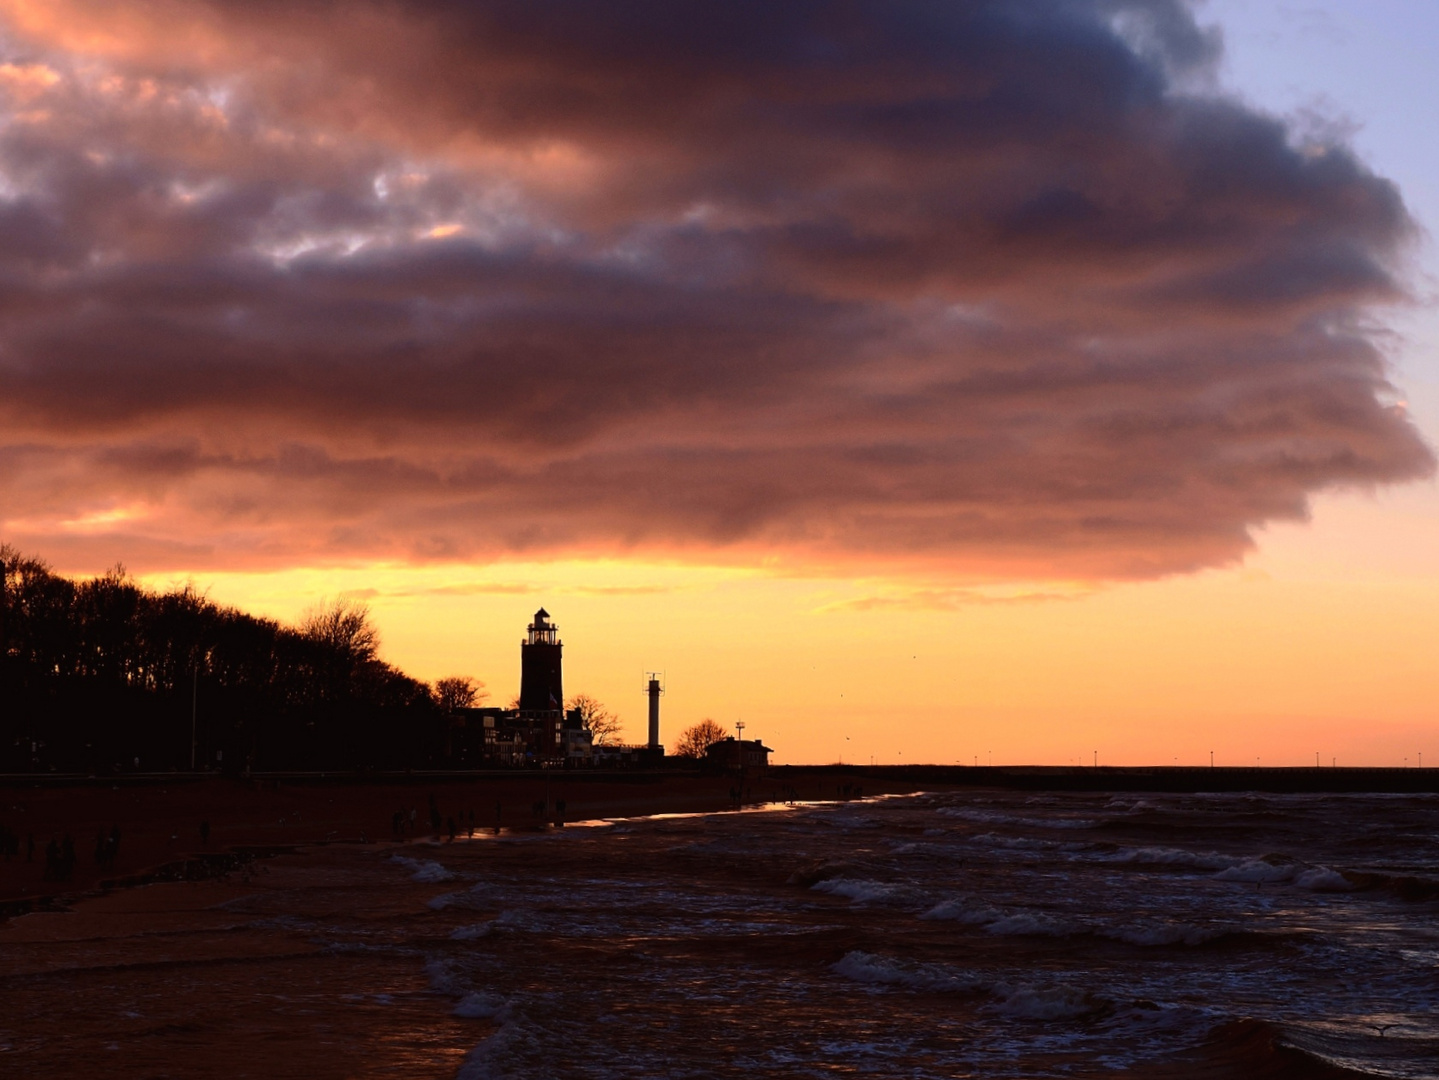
<point>912,386</point>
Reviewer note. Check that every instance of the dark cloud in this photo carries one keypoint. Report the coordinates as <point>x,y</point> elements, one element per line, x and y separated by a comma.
<point>998,287</point>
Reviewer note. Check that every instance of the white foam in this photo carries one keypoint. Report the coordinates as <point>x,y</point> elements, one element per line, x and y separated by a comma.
<point>1131,805</point>
<point>517,920</point>
<point>1323,879</point>
<point>1023,843</point>
<point>1257,871</point>
<point>882,971</point>
<point>1003,924</point>
<point>1028,923</point>
<point>426,871</point>
<point>478,1006</point>
<point>471,933</point>
<point>1028,1002</point>
<point>964,912</point>
<point>442,978</point>
<point>993,818</point>
<point>858,890</point>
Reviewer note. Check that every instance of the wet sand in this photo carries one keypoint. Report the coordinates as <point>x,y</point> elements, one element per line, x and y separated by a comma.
<point>227,979</point>
<point>116,973</point>
<point>160,819</point>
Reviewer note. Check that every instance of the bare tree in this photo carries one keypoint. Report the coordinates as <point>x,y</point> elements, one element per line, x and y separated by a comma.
<point>698,738</point>
<point>602,724</point>
<point>459,692</point>
<point>344,625</point>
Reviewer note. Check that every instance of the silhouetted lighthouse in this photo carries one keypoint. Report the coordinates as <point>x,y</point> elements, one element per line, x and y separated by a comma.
<point>542,689</point>
<point>654,690</point>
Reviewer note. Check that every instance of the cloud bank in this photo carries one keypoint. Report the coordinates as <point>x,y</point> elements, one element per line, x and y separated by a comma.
<point>988,287</point>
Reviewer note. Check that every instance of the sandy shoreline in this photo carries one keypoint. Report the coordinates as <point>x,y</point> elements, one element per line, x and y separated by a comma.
<point>227,976</point>
<point>228,979</point>
<point>160,823</point>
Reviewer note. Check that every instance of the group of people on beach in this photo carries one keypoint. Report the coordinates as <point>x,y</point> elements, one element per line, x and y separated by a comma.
<point>107,846</point>
<point>60,854</point>
<point>10,844</point>
<point>403,822</point>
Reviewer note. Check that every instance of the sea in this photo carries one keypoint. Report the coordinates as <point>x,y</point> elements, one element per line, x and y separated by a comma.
<point>956,934</point>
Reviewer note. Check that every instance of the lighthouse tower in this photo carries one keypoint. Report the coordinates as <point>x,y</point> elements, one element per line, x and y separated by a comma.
<point>542,691</point>
<point>654,688</point>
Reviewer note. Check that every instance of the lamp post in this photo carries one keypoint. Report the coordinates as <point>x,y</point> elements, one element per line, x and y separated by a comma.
<point>194,713</point>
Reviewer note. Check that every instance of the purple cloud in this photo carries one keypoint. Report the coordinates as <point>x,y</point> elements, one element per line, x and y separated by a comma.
<point>992,287</point>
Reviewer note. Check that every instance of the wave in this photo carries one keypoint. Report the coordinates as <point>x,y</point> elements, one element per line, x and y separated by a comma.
<point>1259,872</point>
<point>884,971</point>
<point>1040,924</point>
<point>1025,843</point>
<point>1002,923</point>
<point>442,978</point>
<point>962,911</point>
<point>1323,879</point>
<point>1169,857</point>
<point>861,891</point>
<point>1033,924</point>
<point>1055,1002</point>
<point>472,932</point>
<point>1266,870</point>
<point>1018,1001</point>
<point>426,871</point>
<point>1404,886</point>
<point>1255,1048</point>
<point>480,1006</point>
<point>991,817</point>
<point>1164,933</point>
<point>808,876</point>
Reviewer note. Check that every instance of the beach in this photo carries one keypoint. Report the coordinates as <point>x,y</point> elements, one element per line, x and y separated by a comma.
<point>160,819</point>
<point>191,956</point>
<point>940,934</point>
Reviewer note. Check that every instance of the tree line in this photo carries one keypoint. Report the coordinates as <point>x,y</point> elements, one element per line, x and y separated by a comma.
<point>104,675</point>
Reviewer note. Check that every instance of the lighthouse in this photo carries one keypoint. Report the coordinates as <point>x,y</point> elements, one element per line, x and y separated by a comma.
<point>542,690</point>
<point>653,689</point>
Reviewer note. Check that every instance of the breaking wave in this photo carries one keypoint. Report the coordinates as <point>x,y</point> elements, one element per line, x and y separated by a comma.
<point>861,892</point>
<point>426,871</point>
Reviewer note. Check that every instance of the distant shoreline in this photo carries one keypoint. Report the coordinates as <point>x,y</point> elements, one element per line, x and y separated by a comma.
<point>1175,779</point>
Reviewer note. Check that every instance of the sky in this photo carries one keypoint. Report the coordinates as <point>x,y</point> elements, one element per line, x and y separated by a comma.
<point>1001,380</point>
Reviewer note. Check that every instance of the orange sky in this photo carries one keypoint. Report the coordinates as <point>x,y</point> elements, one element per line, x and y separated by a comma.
<point>1324,640</point>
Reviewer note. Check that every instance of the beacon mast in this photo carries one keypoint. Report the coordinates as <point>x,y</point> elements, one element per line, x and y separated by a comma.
<point>654,689</point>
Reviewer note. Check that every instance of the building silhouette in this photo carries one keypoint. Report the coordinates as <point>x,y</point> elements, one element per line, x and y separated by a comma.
<point>540,732</point>
<point>542,685</point>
